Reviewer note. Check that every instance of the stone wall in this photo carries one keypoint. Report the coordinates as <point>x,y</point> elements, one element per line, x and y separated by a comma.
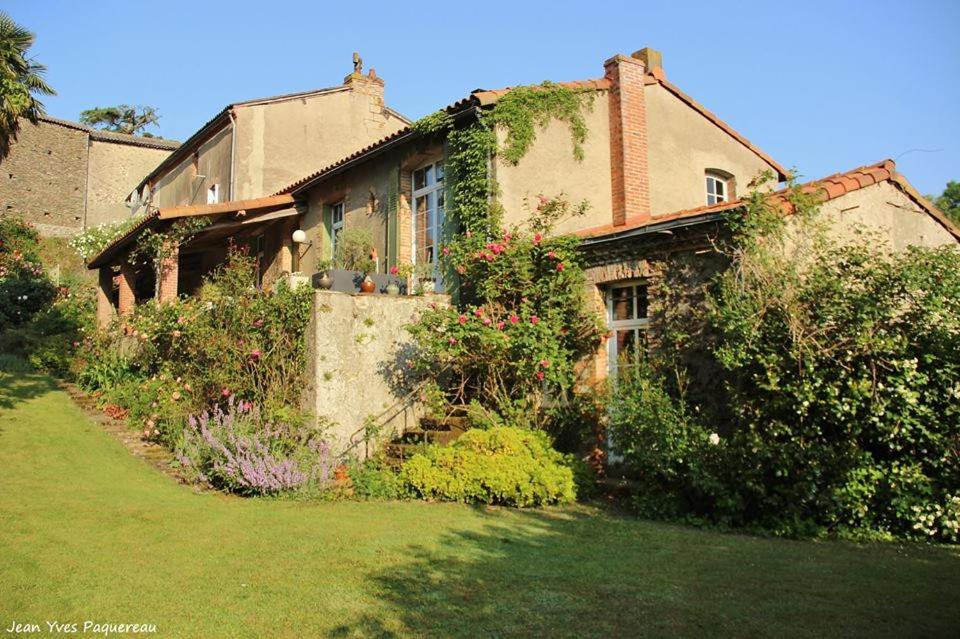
<point>44,179</point>
<point>114,171</point>
<point>356,347</point>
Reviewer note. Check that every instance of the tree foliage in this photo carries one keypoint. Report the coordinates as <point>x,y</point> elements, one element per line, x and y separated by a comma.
<point>949,200</point>
<point>122,118</point>
<point>21,81</point>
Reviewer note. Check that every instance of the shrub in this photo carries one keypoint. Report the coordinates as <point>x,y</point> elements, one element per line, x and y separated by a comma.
<point>230,341</point>
<point>39,321</point>
<point>502,465</point>
<point>660,445</point>
<point>372,481</point>
<point>520,327</point>
<point>838,369</point>
<point>235,449</point>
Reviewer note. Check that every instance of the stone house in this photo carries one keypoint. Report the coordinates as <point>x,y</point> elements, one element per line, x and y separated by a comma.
<point>65,177</point>
<point>648,151</point>
<point>658,169</point>
<point>247,151</point>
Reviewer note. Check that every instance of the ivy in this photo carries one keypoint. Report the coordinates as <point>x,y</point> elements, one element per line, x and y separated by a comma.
<point>519,113</point>
<point>522,110</point>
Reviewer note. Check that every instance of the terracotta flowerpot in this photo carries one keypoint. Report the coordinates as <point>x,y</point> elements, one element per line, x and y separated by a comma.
<point>367,285</point>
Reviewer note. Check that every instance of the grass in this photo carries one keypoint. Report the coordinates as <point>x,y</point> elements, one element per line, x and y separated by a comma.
<point>88,532</point>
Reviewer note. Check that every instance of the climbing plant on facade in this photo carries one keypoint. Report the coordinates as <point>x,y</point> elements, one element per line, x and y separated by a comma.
<point>510,346</point>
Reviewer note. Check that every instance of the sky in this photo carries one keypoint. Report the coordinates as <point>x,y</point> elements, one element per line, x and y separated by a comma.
<point>822,87</point>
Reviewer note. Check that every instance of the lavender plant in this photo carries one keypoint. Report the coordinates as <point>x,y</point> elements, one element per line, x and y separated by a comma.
<point>235,449</point>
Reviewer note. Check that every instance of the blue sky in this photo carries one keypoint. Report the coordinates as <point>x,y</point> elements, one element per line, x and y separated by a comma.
<point>823,87</point>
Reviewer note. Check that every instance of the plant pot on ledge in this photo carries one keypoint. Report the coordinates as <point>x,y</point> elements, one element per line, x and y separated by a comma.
<point>367,285</point>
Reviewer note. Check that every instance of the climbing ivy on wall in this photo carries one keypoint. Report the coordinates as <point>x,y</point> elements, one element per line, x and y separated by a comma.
<point>518,113</point>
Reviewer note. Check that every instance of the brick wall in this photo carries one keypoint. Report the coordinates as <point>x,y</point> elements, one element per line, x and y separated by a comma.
<point>44,178</point>
<point>629,177</point>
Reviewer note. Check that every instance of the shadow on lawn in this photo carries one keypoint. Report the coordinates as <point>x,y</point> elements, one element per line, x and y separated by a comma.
<point>17,387</point>
<point>583,573</point>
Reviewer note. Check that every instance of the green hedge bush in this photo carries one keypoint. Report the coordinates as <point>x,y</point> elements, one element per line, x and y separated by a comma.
<point>503,465</point>
<point>836,399</point>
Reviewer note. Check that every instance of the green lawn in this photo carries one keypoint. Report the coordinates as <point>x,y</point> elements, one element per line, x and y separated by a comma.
<point>89,532</point>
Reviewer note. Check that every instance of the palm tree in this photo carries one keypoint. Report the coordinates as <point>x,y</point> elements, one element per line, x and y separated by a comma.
<point>20,80</point>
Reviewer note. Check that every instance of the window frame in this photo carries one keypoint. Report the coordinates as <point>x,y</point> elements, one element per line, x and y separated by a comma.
<point>640,325</point>
<point>336,225</point>
<point>715,178</point>
<point>436,216</point>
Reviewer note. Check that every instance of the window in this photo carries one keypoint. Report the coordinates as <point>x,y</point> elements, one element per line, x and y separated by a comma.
<point>427,213</point>
<point>717,188</point>
<point>213,194</point>
<point>628,320</point>
<point>336,227</point>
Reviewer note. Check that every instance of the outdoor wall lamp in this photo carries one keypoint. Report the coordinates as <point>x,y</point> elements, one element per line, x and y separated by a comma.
<point>300,237</point>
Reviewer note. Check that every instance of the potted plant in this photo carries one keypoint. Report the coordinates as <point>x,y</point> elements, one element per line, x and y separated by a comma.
<point>322,277</point>
<point>403,270</point>
<point>354,253</point>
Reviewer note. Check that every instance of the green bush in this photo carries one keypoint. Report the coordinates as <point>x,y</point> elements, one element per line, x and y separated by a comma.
<point>836,389</point>
<point>230,342</point>
<point>502,465</point>
<point>372,481</point>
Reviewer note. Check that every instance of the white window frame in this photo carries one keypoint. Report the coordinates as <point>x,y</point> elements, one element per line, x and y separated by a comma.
<point>435,217</point>
<point>336,209</point>
<point>714,196</point>
<point>636,323</point>
<point>213,194</point>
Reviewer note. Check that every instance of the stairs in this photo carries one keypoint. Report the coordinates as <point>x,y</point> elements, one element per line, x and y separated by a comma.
<point>430,431</point>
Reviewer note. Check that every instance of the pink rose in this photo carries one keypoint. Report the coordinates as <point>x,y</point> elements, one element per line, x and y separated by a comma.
<point>479,311</point>
<point>544,363</point>
<point>462,319</point>
<point>225,392</point>
<point>500,325</point>
<point>452,341</point>
<point>534,319</point>
<point>514,319</point>
<point>559,266</point>
<point>540,375</point>
<point>394,270</point>
<point>486,321</point>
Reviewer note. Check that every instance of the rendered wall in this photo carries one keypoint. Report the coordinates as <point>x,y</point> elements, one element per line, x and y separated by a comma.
<point>549,168</point>
<point>886,210</point>
<point>682,145</point>
<point>280,142</point>
<point>44,178</point>
<point>354,345</point>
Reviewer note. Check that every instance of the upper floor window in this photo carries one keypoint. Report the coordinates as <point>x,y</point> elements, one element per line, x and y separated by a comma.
<point>336,227</point>
<point>213,194</point>
<point>719,187</point>
<point>428,212</point>
<point>628,320</point>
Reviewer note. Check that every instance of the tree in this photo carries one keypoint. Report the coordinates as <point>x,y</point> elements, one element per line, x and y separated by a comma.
<point>949,201</point>
<point>122,118</point>
<point>21,80</point>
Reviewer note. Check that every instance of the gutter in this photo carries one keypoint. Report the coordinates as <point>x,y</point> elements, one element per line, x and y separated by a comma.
<point>661,227</point>
<point>233,153</point>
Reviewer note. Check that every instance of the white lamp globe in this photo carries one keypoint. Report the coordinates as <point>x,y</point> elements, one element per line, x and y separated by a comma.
<point>299,236</point>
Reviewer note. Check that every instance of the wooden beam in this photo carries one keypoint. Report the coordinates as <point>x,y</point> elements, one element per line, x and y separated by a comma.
<point>250,206</point>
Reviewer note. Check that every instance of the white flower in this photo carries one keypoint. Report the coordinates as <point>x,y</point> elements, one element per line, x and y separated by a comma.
<point>714,439</point>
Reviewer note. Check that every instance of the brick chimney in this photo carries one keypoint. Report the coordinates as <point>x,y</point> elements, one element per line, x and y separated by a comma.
<point>630,179</point>
<point>368,84</point>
